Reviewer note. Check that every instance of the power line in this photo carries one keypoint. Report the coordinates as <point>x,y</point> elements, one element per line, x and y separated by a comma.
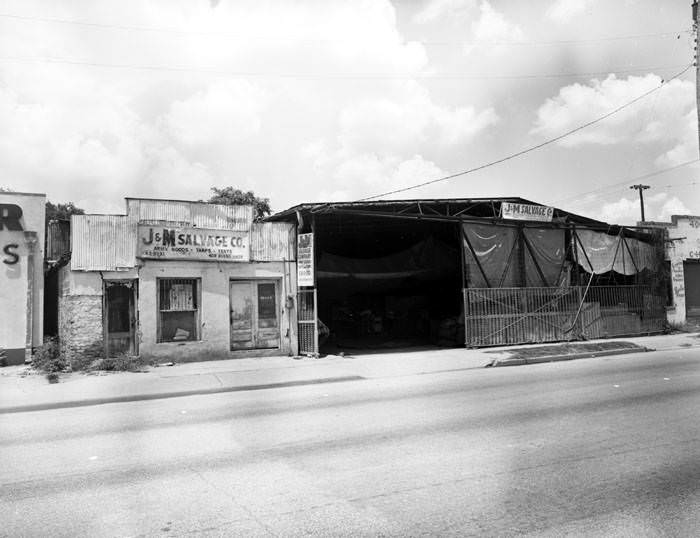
<point>535,147</point>
<point>163,29</point>
<point>334,76</point>
<point>626,181</point>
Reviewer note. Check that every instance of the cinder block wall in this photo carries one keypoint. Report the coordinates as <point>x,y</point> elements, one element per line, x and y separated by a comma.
<point>80,318</point>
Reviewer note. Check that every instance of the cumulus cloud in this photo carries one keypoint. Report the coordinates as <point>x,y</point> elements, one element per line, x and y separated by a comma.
<point>663,117</point>
<point>657,207</point>
<point>492,26</point>
<point>97,135</point>
<point>222,113</point>
<point>386,143</point>
<point>408,122</point>
<point>438,9</point>
<point>367,174</point>
<point>564,11</point>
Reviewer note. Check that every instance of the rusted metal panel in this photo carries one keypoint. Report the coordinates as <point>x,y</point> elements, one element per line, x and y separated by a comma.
<point>222,217</point>
<point>272,241</point>
<point>57,240</point>
<point>103,242</point>
<point>191,214</point>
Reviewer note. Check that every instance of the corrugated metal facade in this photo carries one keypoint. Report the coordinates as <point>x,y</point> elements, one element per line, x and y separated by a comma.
<point>109,242</point>
<point>272,242</point>
<point>186,214</point>
<point>103,242</point>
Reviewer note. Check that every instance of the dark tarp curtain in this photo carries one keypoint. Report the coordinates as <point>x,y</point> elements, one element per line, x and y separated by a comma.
<point>492,246</point>
<point>428,259</point>
<point>548,247</point>
<point>498,250</point>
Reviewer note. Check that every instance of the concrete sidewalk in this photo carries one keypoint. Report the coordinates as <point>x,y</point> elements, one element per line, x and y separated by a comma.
<point>22,389</point>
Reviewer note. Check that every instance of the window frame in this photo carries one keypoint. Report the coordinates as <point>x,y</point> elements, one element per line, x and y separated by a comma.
<point>197,298</point>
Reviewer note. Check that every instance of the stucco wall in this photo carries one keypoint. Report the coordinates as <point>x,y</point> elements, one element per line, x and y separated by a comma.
<point>22,277</point>
<point>683,244</point>
<point>214,308</point>
<point>80,317</point>
<point>80,325</point>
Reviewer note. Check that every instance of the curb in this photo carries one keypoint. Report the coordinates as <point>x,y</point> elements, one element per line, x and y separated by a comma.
<point>571,357</point>
<point>178,394</point>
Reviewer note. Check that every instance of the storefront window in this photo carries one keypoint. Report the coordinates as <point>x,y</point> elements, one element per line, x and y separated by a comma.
<point>178,304</point>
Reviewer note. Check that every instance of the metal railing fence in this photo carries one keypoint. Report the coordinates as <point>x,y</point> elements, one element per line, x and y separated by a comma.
<point>501,316</point>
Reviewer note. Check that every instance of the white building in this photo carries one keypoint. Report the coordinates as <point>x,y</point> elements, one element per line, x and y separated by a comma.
<point>22,217</point>
<point>178,280</point>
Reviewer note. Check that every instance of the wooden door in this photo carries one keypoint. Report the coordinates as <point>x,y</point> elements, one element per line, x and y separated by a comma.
<point>254,314</point>
<point>120,317</point>
<point>267,333</point>
<point>242,315</point>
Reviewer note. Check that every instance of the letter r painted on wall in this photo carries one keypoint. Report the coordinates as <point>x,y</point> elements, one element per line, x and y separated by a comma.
<point>11,218</point>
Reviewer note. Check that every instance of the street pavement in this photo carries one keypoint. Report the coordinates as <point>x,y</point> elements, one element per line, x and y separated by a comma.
<point>599,447</point>
<point>21,389</point>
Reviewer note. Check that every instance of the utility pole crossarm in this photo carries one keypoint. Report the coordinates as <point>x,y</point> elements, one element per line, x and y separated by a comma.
<point>641,188</point>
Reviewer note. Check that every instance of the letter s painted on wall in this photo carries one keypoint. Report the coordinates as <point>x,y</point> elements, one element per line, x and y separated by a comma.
<point>13,257</point>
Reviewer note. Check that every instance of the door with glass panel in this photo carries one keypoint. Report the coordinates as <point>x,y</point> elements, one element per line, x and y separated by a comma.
<point>254,314</point>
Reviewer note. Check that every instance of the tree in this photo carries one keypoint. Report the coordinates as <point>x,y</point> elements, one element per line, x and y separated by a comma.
<point>231,196</point>
<point>61,211</point>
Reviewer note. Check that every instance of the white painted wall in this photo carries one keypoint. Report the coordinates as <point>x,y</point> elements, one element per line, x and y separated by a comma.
<point>684,243</point>
<point>15,278</point>
<point>214,307</point>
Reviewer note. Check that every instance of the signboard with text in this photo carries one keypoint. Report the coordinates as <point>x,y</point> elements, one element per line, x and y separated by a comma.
<point>538,213</point>
<point>162,243</point>
<point>305,260</point>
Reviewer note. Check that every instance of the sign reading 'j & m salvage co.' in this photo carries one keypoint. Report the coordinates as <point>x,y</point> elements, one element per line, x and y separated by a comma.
<point>193,244</point>
<point>539,213</point>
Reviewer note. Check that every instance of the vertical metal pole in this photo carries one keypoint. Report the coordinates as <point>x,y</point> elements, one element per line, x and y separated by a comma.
<point>696,25</point>
<point>460,244</point>
<point>30,241</point>
<point>314,258</point>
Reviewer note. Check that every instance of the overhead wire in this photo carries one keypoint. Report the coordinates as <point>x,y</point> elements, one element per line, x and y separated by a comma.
<point>165,29</point>
<point>536,146</point>
<point>332,76</point>
<point>625,182</point>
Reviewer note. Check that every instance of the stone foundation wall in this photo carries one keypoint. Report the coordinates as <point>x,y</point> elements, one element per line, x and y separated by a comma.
<point>80,329</point>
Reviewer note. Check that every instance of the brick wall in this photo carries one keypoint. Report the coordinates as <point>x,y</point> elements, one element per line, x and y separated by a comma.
<point>80,329</point>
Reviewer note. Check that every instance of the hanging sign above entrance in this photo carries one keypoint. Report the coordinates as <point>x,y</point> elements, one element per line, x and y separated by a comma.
<point>193,244</point>
<point>538,213</point>
<point>305,260</point>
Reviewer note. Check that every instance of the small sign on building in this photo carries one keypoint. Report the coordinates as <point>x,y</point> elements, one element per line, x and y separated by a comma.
<point>305,260</point>
<point>513,211</point>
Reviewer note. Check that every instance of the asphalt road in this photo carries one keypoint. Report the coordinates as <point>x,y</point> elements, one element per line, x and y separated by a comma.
<point>598,447</point>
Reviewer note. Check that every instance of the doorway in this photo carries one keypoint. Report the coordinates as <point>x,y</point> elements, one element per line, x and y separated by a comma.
<point>255,320</point>
<point>691,277</point>
<point>120,317</point>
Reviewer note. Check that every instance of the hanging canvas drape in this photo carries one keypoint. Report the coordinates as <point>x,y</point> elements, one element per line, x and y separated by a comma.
<point>600,253</point>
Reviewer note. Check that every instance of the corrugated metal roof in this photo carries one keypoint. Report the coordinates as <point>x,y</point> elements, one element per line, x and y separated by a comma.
<point>103,242</point>
<point>272,241</point>
<point>191,214</point>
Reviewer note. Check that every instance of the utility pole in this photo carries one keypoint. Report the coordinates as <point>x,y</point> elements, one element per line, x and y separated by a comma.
<point>696,25</point>
<point>641,188</point>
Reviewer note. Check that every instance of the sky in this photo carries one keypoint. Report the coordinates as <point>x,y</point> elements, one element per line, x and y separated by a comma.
<point>325,100</point>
